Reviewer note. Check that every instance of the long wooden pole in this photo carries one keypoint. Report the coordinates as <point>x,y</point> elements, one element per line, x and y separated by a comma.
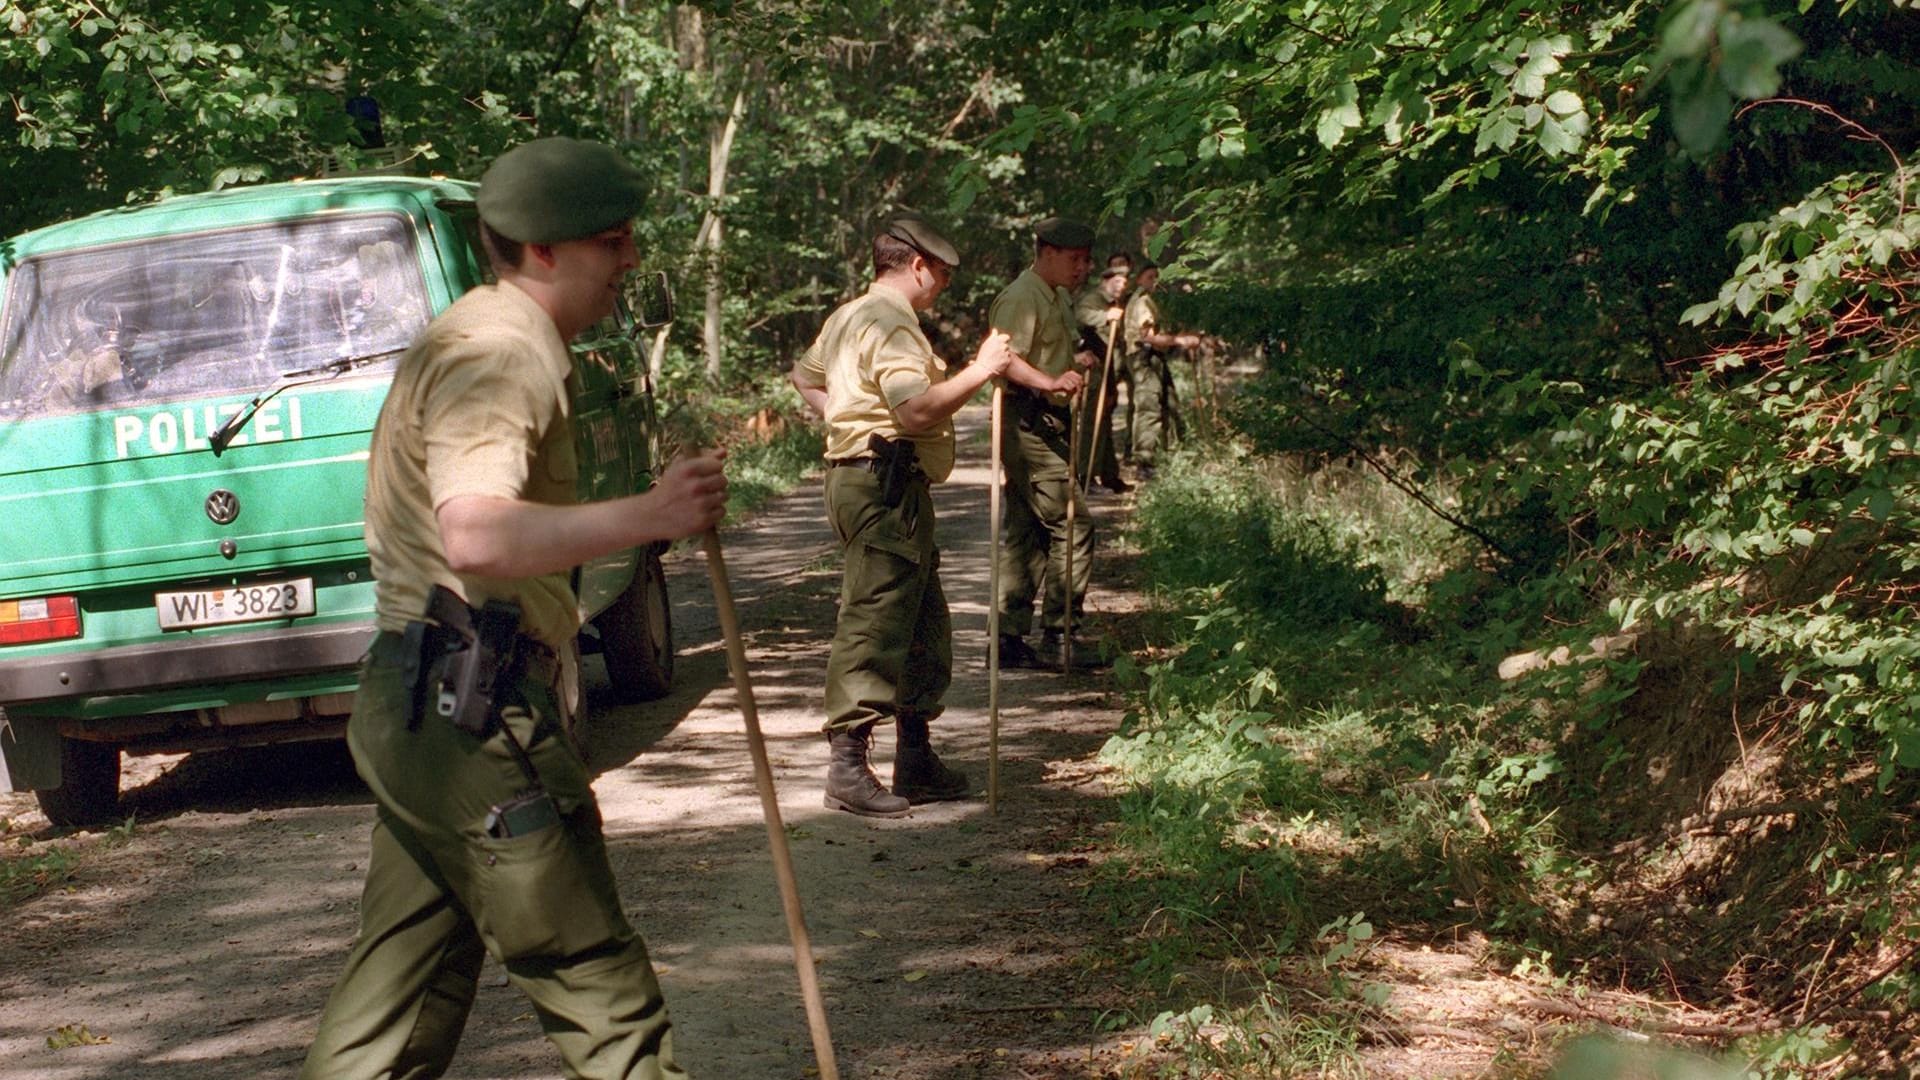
<point>770,807</point>
<point>1106,391</point>
<point>993,611</point>
<point>1075,409</point>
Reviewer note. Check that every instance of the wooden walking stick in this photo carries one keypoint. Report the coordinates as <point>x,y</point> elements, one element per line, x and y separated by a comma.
<point>1106,391</point>
<point>1074,412</point>
<point>770,806</point>
<point>993,612</point>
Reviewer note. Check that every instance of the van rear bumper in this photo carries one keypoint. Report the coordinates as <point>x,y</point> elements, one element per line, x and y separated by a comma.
<point>186,661</point>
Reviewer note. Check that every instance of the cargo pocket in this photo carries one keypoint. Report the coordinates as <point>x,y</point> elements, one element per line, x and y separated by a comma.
<point>892,545</point>
<point>883,561</point>
<point>893,534</point>
<point>548,894</point>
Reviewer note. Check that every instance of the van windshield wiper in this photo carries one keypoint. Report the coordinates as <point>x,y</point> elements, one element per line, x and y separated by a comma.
<point>332,369</point>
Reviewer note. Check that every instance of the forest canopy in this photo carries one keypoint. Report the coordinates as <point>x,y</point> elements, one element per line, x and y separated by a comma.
<point>1634,275</point>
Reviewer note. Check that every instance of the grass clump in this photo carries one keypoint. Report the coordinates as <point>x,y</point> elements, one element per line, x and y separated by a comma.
<point>761,470</point>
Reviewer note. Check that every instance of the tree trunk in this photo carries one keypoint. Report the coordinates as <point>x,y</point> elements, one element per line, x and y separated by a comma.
<point>719,149</point>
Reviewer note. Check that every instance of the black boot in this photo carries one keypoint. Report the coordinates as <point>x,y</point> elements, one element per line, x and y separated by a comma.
<point>1084,656</point>
<point>918,773</point>
<point>1016,653</point>
<point>851,785</point>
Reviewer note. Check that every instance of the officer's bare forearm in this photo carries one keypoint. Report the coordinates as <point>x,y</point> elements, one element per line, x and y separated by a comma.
<point>514,538</point>
<point>921,414</point>
<point>1025,374</point>
<point>814,396</point>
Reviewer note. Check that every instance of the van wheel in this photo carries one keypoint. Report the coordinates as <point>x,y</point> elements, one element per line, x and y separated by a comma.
<point>636,635</point>
<point>89,790</point>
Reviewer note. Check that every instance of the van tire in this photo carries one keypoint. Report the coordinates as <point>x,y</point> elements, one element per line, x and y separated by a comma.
<point>89,791</point>
<point>636,635</point>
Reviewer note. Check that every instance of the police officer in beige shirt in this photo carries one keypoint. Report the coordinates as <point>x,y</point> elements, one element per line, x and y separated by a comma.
<point>889,401</point>
<point>488,838</point>
<point>1036,314</point>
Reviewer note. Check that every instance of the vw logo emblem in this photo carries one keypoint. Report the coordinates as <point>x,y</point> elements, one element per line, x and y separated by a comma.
<point>223,506</point>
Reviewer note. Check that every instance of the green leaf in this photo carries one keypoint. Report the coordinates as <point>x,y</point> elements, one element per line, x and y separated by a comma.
<point>1689,32</point>
<point>1880,504</point>
<point>1343,114</point>
<point>1499,128</point>
<point>1531,80</point>
<point>1564,103</point>
<point>1700,313</point>
<point>1555,139</point>
<point>1751,52</point>
<point>1906,749</point>
<point>1701,106</point>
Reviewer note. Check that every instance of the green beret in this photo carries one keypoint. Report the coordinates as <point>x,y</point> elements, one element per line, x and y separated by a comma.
<point>554,189</point>
<point>915,230</point>
<point>1063,233</point>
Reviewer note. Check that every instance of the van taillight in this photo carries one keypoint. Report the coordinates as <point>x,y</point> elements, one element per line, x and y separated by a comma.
<point>48,618</point>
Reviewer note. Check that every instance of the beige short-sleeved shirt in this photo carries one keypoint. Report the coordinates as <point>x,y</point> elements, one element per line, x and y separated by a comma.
<point>1038,320</point>
<point>480,405</point>
<point>870,356</point>
<point>1143,318</point>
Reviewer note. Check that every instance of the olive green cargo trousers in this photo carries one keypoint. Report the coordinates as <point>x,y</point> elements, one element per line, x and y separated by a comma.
<point>1097,459</point>
<point>1034,549</point>
<point>1151,413</point>
<point>893,643</point>
<point>440,894</point>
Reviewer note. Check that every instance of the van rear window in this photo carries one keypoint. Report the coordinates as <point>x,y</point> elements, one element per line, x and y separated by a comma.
<point>205,313</point>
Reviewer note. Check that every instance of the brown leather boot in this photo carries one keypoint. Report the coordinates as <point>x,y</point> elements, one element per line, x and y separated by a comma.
<point>919,775</point>
<point>851,785</point>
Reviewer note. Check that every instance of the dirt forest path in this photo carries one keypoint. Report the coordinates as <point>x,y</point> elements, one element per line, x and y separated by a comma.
<point>955,944</point>
<point>951,943</point>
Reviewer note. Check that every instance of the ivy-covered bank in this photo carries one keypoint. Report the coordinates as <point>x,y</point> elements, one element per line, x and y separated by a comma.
<point>1331,741</point>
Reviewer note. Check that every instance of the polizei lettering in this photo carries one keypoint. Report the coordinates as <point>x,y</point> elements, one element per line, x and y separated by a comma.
<point>187,427</point>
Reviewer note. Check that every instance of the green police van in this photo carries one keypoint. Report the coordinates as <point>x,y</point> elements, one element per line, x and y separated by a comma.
<point>187,393</point>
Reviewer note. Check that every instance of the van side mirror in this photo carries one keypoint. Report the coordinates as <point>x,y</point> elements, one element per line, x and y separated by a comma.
<point>653,301</point>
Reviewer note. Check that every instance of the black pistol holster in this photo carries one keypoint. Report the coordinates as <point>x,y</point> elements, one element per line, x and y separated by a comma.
<point>465,664</point>
<point>897,465</point>
<point>459,661</point>
<point>1033,412</point>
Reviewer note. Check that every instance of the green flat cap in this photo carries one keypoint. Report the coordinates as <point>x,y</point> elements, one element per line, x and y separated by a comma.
<point>1063,233</point>
<point>1113,271</point>
<point>554,189</point>
<point>915,230</point>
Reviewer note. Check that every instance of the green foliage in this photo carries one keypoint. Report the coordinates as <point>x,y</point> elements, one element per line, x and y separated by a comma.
<point>1714,54</point>
<point>761,470</point>
<point>26,875</point>
<point>1218,526</point>
<point>1772,497</point>
<point>1265,1038</point>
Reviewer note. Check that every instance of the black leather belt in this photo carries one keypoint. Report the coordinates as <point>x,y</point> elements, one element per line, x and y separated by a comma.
<point>871,464</point>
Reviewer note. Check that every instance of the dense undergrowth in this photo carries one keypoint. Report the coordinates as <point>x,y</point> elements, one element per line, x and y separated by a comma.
<point>1322,752</point>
